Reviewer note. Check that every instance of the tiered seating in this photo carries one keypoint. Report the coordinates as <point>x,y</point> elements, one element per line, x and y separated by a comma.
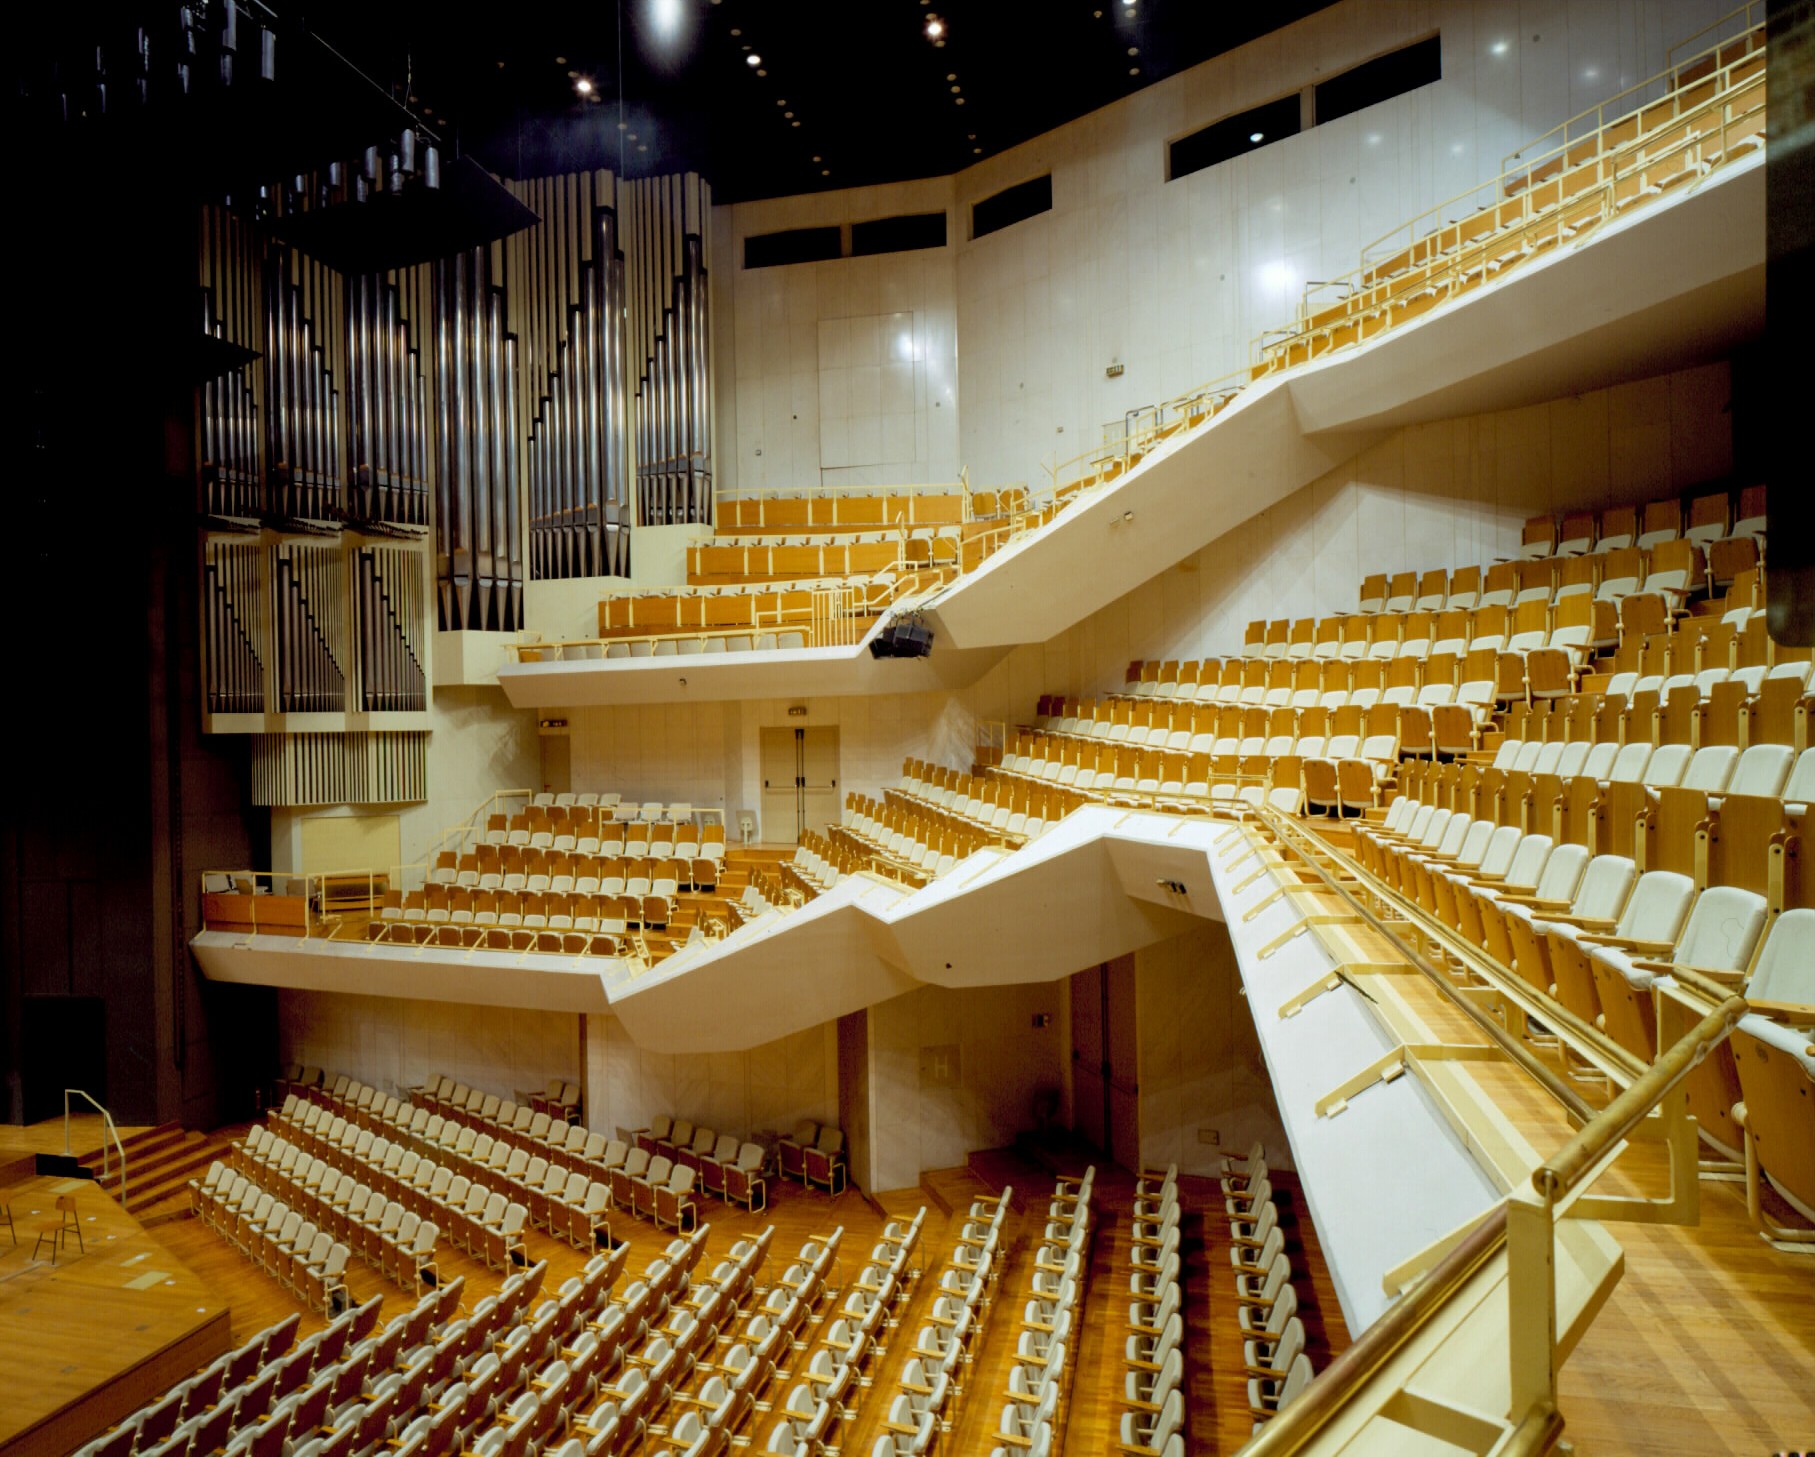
<point>929,1388</point>
<point>1014,812</point>
<point>1194,782</point>
<point>1273,1344</point>
<point>1039,1392</point>
<point>287,1243</point>
<point>1712,110</point>
<point>422,1384</point>
<point>904,840</point>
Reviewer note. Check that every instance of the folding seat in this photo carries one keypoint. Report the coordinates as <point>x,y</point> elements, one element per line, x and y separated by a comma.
<point>1648,923</point>
<point>1538,537</point>
<point>824,1163</point>
<point>792,1150</point>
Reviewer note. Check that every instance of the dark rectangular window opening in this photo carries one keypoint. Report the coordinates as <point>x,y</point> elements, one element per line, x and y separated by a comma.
<point>898,235</point>
<point>1012,205</point>
<point>1381,79</point>
<point>797,245</point>
<point>1244,132</point>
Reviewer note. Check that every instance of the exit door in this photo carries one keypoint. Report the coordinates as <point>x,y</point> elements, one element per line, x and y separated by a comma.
<point>1105,1094</point>
<point>800,782</point>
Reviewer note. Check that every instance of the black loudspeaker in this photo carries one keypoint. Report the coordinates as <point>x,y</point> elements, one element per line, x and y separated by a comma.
<point>913,640</point>
<point>64,1046</point>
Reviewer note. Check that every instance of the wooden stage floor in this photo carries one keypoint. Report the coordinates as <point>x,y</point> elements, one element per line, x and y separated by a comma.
<point>97,1334</point>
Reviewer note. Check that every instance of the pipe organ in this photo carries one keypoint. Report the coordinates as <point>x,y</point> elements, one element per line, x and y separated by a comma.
<point>671,343</point>
<point>568,307</point>
<point>478,523</point>
<point>349,768</point>
<point>387,315</point>
<point>389,451</point>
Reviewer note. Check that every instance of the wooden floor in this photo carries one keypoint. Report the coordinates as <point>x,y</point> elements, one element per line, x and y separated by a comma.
<point>1706,1346</point>
<point>112,1323</point>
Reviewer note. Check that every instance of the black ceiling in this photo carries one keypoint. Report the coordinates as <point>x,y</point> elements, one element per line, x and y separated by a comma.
<point>848,92</point>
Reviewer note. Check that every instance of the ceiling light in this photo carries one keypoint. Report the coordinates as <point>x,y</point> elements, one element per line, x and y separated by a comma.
<point>753,59</point>
<point>1499,48</point>
<point>667,15</point>
<point>1134,50</point>
<point>956,90</point>
<point>825,171</point>
<point>1256,136</point>
<point>958,100</point>
<point>816,159</point>
<point>583,86</point>
<point>560,60</point>
<point>935,27</point>
<point>1134,70</point>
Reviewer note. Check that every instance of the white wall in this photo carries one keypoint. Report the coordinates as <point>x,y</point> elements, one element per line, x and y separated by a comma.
<point>1200,1064</point>
<point>1172,279</point>
<point>707,753</point>
<point>840,373</point>
<point>395,1044</point>
<point>929,1113</point>
<point>765,1090</point>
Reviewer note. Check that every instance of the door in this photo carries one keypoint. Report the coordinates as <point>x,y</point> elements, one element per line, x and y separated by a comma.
<point>1105,1097</point>
<point>800,782</point>
<point>819,805</point>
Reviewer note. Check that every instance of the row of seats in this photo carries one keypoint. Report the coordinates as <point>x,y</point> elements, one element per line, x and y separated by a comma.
<point>1016,811</point>
<point>1722,816</point>
<point>828,511</point>
<point>1039,1386</point>
<point>724,1165</point>
<point>1603,939</point>
<point>1703,120</point>
<point>927,1388</point>
<point>1351,654</point>
<point>348,1389</point>
<point>919,843</point>
<point>584,872</point>
<point>1273,1339</point>
<point>578,829</point>
<point>648,897</point>
<point>306,1259</point>
<point>795,558</point>
<point>1152,1352</point>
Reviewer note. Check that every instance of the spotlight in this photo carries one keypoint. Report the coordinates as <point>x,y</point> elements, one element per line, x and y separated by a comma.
<point>667,16</point>
<point>753,60</point>
<point>1256,136</point>
<point>583,86</point>
<point>935,27</point>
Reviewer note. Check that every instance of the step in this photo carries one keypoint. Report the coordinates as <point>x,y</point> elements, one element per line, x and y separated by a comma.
<point>171,1178</point>
<point>138,1148</point>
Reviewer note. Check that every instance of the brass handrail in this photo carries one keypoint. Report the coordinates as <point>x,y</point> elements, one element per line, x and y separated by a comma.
<point>1563,1170</point>
<point>1319,1403</point>
<point>107,1122</point>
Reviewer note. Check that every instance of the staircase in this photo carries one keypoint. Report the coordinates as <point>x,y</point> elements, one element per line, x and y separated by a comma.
<point>160,1162</point>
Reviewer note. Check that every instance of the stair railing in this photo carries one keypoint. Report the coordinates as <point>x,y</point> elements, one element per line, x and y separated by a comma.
<point>112,1132</point>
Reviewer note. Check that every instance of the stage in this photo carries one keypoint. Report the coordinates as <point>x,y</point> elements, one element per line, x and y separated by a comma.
<point>95,1336</point>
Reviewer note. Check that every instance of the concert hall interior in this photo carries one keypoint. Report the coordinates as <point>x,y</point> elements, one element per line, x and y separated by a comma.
<point>1011,727</point>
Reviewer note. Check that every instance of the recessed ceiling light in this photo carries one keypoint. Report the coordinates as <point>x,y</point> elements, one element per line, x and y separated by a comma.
<point>1255,136</point>
<point>788,115</point>
<point>951,75</point>
<point>1134,70</point>
<point>737,30</point>
<point>583,86</point>
<point>753,59</point>
<point>781,101</point>
<point>959,100</point>
<point>956,90</point>
<point>935,27</point>
<point>976,151</point>
<point>1499,48</point>
<point>825,171</point>
<point>761,72</point>
<point>1134,50</point>
<point>793,123</point>
<point>560,60</point>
